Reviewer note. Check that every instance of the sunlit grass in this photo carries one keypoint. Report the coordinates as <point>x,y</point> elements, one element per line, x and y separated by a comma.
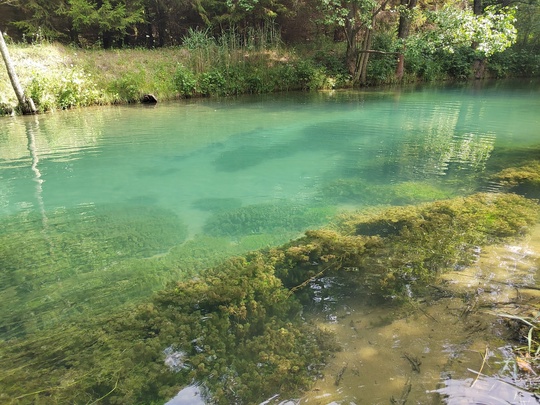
<point>60,77</point>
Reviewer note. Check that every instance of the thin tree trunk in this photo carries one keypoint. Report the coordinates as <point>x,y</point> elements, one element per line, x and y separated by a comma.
<point>479,64</point>
<point>363,58</point>
<point>25,103</point>
<point>403,33</point>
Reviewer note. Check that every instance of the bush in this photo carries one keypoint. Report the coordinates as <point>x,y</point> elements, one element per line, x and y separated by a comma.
<point>184,81</point>
<point>212,83</point>
<point>75,89</point>
<point>515,62</point>
<point>381,68</point>
<point>458,65</point>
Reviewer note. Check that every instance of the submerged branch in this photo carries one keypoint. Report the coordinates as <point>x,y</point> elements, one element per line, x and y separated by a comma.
<point>309,280</point>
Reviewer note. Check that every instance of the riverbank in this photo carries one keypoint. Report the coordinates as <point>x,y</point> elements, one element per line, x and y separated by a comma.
<point>56,76</point>
<point>61,77</point>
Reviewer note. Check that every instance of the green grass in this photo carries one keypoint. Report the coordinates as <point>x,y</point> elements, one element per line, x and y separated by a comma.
<point>60,77</point>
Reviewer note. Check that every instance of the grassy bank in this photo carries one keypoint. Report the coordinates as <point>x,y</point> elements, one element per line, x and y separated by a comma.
<point>59,77</point>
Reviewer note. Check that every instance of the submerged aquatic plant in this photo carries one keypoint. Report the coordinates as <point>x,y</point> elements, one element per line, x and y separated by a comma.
<point>266,218</point>
<point>396,250</point>
<point>237,328</point>
<point>358,191</point>
<point>523,179</point>
<point>57,265</point>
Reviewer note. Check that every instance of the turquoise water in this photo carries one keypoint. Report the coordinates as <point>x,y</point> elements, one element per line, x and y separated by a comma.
<point>191,157</point>
<point>100,207</point>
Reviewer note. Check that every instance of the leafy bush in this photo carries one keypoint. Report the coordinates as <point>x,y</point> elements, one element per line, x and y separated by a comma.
<point>515,62</point>
<point>74,89</point>
<point>308,76</point>
<point>212,83</point>
<point>184,81</point>
<point>381,68</point>
<point>458,65</point>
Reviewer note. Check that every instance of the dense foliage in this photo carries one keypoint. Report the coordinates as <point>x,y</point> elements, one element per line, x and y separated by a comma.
<point>373,41</point>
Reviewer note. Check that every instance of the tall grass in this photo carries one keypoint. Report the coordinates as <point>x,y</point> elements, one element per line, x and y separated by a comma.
<point>254,61</point>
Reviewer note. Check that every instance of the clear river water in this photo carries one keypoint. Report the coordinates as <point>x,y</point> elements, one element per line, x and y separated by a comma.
<point>103,206</point>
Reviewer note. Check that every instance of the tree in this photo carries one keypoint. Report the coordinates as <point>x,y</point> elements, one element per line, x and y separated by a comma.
<point>42,19</point>
<point>26,104</point>
<point>451,29</point>
<point>528,24</point>
<point>406,10</point>
<point>358,19</point>
<point>109,20</point>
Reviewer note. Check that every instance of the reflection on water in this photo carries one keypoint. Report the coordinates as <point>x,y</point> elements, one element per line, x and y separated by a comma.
<point>101,207</point>
<point>190,395</point>
<point>485,390</point>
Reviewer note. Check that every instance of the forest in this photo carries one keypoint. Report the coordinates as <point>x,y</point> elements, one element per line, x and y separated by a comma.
<point>369,40</point>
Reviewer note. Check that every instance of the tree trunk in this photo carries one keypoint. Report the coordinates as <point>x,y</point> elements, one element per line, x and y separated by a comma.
<point>363,58</point>
<point>351,32</point>
<point>26,104</point>
<point>479,64</point>
<point>403,33</point>
<point>477,7</point>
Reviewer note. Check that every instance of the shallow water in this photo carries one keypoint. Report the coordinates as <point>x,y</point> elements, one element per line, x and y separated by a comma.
<point>100,207</point>
<point>434,350</point>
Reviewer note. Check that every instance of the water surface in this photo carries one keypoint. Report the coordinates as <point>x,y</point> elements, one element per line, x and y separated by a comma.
<point>100,207</point>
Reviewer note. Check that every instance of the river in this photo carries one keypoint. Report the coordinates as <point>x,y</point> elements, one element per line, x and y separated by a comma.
<point>101,207</point>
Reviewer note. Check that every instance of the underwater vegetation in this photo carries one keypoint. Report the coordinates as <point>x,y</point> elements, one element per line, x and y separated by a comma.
<point>236,331</point>
<point>236,328</point>
<point>523,179</point>
<point>394,251</point>
<point>53,263</point>
<point>267,218</point>
<point>359,191</point>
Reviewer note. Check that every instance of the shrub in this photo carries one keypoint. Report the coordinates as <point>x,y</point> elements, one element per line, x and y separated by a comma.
<point>458,65</point>
<point>212,83</point>
<point>184,81</point>
<point>74,89</point>
<point>381,68</point>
